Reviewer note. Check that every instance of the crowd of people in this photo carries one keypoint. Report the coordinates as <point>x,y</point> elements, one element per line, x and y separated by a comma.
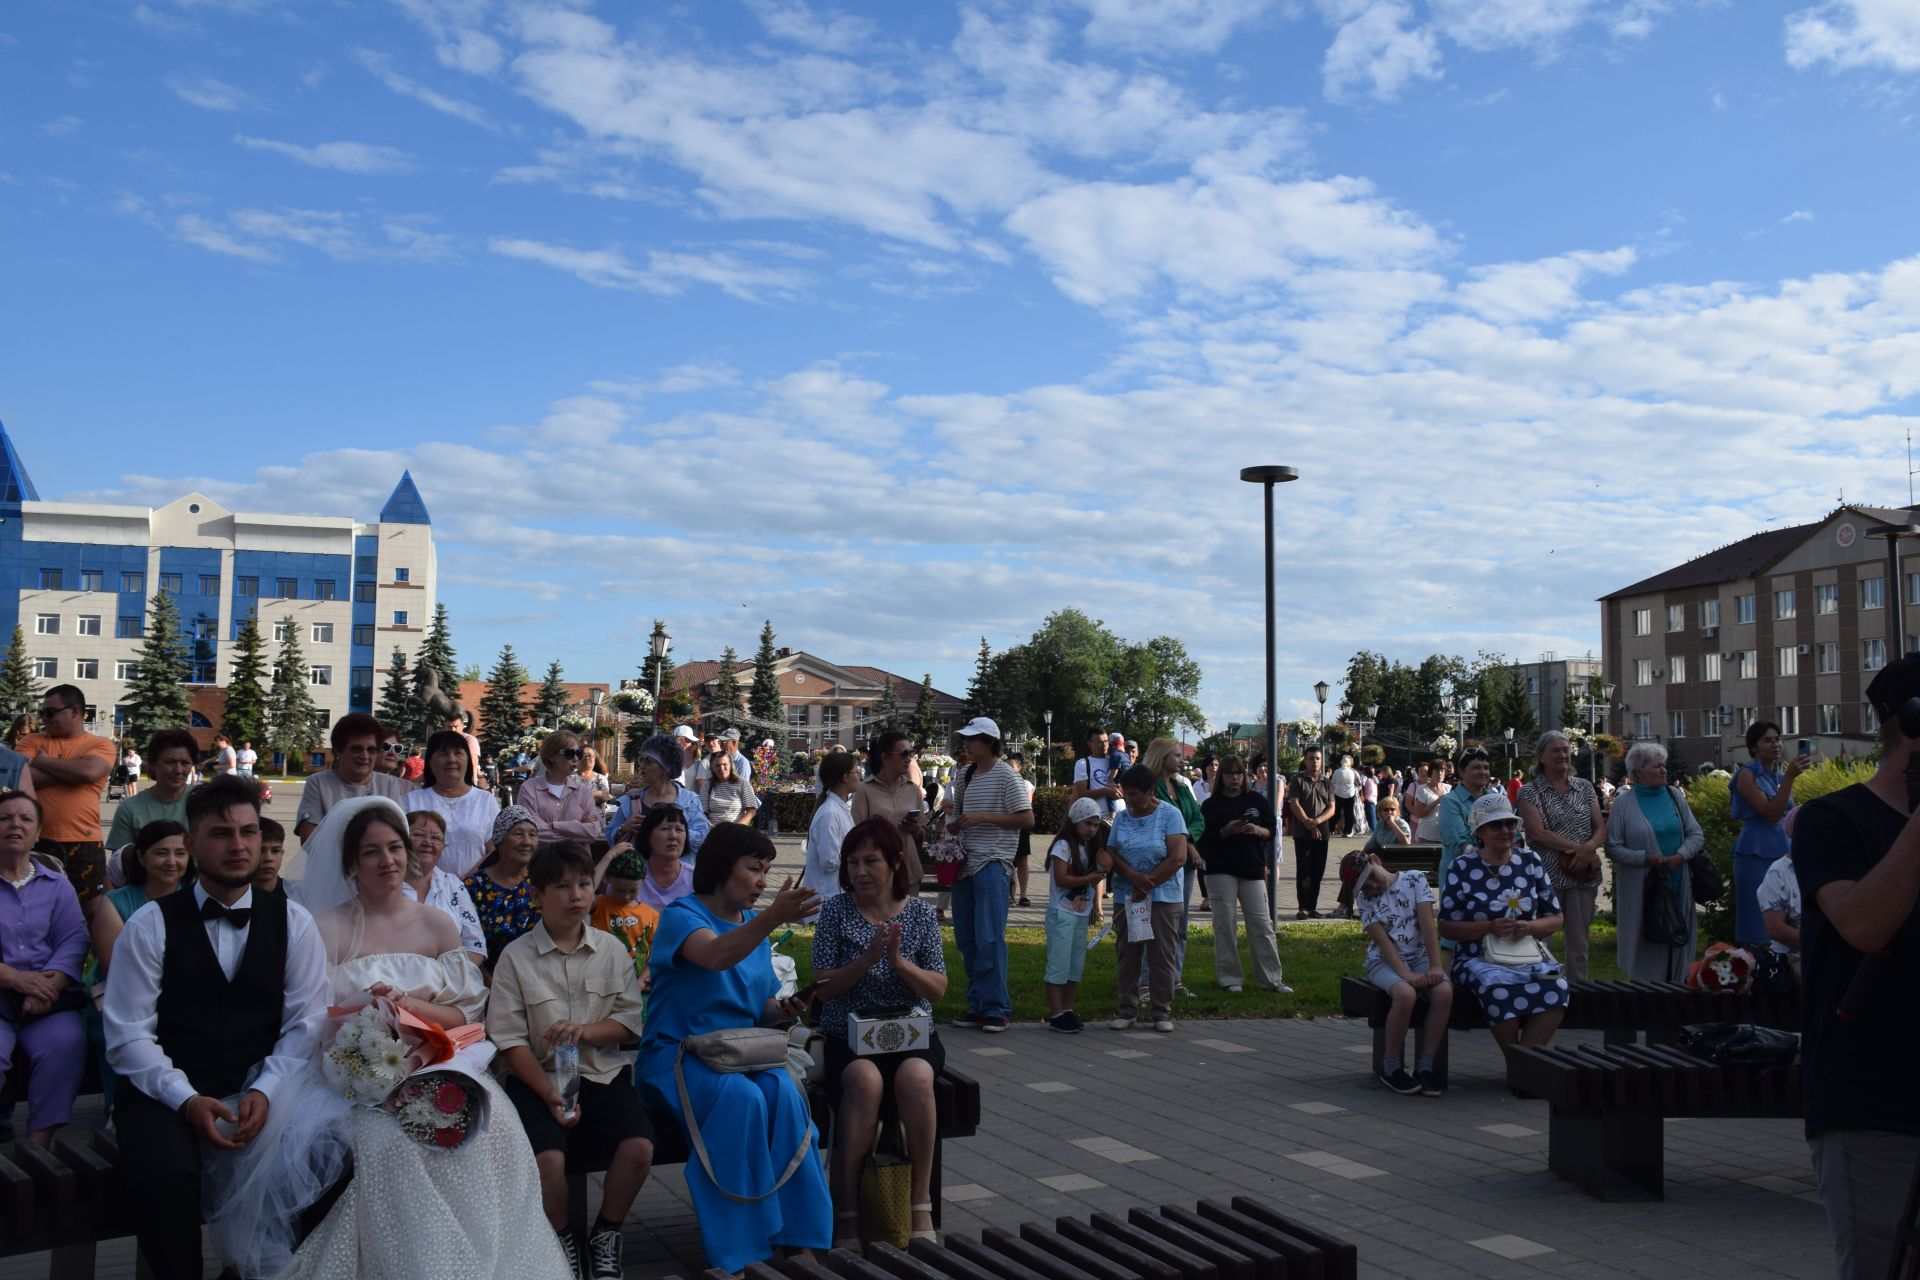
<point>606,988</point>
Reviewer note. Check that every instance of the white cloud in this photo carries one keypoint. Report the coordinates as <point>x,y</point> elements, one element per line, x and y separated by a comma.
<point>1527,292</point>
<point>346,157</point>
<point>196,230</point>
<point>1856,33</point>
<point>1503,24</point>
<point>1376,54</point>
<point>382,68</point>
<point>796,22</point>
<point>210,94</point>
<point>1798,215</point>
<point>1193,26</point>
<point>62,126</point>
<point>665,272</point>
<point>263,235</point>
<point>166,24</point>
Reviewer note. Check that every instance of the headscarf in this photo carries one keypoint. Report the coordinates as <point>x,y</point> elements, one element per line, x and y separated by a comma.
<point>510,817</point>
<point>665,752</point>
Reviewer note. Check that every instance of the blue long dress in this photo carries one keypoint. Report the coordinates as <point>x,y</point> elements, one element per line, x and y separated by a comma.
<point>751,1121</point>
<point>1758,846</point>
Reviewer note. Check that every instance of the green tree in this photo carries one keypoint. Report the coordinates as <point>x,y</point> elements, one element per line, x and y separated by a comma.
<point>926,719</point>
<point>396,709</point>
<point>245,719</point>
<point>550,699</point>
<point>1569,708</point>
<point>983,693</point>
<point>503,713</point>
<point>886,712</point>
<point>293,727</point>
<point>156,696</point>
<point>725,700</point>
<point>763,697</point>
<point>19,688</point>
<point>435,651</point>
<point>1158,687</point>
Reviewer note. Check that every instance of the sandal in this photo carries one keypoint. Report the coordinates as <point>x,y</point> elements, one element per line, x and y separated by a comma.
<point>849,1240</point>
<point>931,1237</point>
<point>1024,902</point>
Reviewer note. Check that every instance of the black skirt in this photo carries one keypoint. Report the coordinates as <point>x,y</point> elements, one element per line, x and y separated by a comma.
<point>840,1054</point>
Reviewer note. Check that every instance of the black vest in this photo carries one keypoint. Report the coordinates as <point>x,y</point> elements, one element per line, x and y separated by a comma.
<point>210,1028</point>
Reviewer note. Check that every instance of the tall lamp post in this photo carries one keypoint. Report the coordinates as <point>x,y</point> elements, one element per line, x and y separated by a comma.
<point>1465,707</point>
<point>1896,611</point>
<point>1320,693</point>
<point>1595,712</point>
<point>658,644</point>
<point>1047,748</point>
<point>594,698</point>
<point>1363,725</point>
<point>1266,478</point>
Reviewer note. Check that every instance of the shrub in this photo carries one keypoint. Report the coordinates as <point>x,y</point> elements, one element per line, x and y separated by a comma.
<point>1049,810</point>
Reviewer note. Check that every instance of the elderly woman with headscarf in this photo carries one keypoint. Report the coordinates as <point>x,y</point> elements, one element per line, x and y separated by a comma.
<point>660,761</point>
<point>1652,832</point>
<point>1561,815</point>
<point>508,903</point>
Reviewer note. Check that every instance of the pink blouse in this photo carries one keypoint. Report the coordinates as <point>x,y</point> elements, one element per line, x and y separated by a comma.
<point>571,815</point>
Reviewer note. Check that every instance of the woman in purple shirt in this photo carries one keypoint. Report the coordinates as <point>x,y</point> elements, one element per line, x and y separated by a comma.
<point>43,939</point>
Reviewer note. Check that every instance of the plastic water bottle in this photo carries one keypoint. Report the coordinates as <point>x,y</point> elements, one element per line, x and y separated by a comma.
<point>566,1076</point>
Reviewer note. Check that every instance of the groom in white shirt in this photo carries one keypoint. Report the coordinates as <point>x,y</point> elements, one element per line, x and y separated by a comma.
<point>214,997</point>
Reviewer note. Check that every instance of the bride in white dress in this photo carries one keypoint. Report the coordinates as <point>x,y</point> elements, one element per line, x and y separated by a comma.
<point>411,1212</point>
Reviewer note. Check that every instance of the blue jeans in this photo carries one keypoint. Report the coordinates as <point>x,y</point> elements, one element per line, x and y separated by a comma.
<point>980,932</point>
<point>1373,814</point>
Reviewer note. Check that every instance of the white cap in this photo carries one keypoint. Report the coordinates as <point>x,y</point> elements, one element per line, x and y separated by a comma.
<point>685,733</point>
<point>980,727</point>
<point>1491,807</point>
<point>1082,809</point>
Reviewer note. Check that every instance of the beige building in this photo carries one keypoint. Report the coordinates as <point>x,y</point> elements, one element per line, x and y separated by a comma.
<point>1787,625</point>
<point>827,702</point>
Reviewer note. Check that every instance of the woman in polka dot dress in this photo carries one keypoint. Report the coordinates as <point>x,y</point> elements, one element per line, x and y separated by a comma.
<point>1498,887</point>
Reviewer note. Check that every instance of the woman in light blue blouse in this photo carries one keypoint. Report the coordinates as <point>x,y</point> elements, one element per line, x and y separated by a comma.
<point>1146,849</point>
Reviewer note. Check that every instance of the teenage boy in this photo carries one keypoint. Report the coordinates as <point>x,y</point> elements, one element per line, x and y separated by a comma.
<point>544,996</point>
<point>1403,960</point>
<point>273,852</point>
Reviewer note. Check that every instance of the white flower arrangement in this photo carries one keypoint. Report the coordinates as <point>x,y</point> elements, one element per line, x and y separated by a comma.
<point>1445,745</point>
<point>367,1060</point>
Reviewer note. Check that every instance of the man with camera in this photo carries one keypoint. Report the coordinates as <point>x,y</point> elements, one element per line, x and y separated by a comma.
<point>1857,855</point>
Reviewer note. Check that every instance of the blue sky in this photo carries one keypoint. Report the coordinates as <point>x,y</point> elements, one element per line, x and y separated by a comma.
<point>901,324</point>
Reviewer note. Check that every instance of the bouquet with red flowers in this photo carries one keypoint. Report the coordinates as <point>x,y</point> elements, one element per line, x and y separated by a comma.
<point>384,1057</point>
<point>436,1108</point>
<point>1723,970</point>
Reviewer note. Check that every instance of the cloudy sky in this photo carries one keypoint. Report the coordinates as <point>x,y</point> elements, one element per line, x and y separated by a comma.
<point>901,324</point>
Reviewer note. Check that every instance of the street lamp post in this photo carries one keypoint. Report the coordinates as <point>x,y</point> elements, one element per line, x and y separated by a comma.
<point>594,698</point>
<point>1046,748</point>
<point>1266,478</point>
<point>1896,611</point>
<point>1363,725</point>
<point>658,644</point>
<point>1320,693</point>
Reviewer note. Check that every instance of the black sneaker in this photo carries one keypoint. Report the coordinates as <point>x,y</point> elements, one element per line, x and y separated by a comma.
<point>1067,1022</point>
<point>603,1253</point>
<point>1399,1081</point>
<point>571,1249</point>
<point>966,1021</point>
<point>1430,1086</point>
<point>993,1024</point>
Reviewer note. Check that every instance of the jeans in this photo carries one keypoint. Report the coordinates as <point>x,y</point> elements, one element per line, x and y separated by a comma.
<point>980,932</point>
<point>1250,896</point>
<point>1373,814</point>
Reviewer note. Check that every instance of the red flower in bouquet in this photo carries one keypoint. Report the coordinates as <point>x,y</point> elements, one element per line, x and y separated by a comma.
<point>449,1098</point>
<point>449,1137</point>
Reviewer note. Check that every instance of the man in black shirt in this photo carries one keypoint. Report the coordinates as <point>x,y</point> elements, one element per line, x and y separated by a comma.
<point>1310,816</point>
<point>1857,854</point>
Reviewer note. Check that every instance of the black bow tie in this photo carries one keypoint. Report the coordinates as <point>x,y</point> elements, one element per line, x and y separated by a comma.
<point>211,910</point>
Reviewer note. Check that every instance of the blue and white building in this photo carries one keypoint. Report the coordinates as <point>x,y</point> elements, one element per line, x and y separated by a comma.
<point>77,578</point>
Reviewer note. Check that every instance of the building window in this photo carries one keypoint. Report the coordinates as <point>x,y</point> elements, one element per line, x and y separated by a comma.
<point>287,588</point>
<point>1743,608</point>
<point>1643,670</point>
<point>1643,724</point>
<point>1829,717</point>
<point>1676,617</point>
<point>399,617</point>
<point>1676,724</point>
<point>51,580</point>
<point>1873,655</point>
<point>86,668</point>
<point>366,564</point>
<point>205,628</point>
<point>129,628</point>
<point>830,719</point>
<point>209,584</point>
<point>87,624</point>
<point>322,633</point>
<point>1826,598</point>
<point>1745,716</point>
<point>246,588</point>
<point>1783,604</point>
<point>46,624</point>
<point>1789,721</point>
<point>1873,593</point>
<point>1677,669</point>
<point>1709,613</point>
<point>133,583</point>
<point>1786,661</point>
<point>1913,588</point>
<point>320,675</point>
<point>1826,658</point>
<point>1869,718</point>
<point>363,634</point>
<point>170,582</point>
<point>280,632</point>
<point>1533,684</point>
<point>797,717</point>
<point>361,678</point>
<point>1642,622</point>
<point>1748,667</point>
<point>1709,724</point>
<point>363,592</point>
<point>323,589</point>
<point>203,673</point>
<point>125,670</point>
<point>46,668</point>
<point>1709,666</point>
<point>91,579</point>
<point>401,575</point>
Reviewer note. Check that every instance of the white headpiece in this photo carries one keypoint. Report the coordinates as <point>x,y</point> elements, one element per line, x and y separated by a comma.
<point>325,885</point>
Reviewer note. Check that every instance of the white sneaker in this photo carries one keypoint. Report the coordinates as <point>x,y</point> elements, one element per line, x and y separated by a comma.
<point>1120,1024</point>
<point>1164,1025</point>
<point>1232,990</point>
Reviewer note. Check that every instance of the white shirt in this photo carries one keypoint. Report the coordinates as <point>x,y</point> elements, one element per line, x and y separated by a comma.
<point>132,1018</point>
<point>1097,774</point>
<point>831,822</point>
<point>248,757</point>
<point>1780,891</point>
<point>469,825</point>
<point>449,895</point>
<point>1346,783</point>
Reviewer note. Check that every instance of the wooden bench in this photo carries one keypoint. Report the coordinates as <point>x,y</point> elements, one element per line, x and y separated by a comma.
<point>1608,1105</point>
<point>1620,1010</point>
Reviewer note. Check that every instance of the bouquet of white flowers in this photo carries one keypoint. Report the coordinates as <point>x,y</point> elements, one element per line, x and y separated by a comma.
<point>367,1060</point>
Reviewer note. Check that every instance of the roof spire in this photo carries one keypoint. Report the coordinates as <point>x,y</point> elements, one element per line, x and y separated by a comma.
<point>16,486</point>
<point>405,505</point>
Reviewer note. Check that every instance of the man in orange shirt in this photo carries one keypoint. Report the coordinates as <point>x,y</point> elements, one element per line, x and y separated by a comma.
<point>70,768</point>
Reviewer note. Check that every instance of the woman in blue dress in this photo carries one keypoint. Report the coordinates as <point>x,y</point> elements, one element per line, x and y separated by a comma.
<point>712,970</point>
<point>1498,887</point>
<point>1761,795</point>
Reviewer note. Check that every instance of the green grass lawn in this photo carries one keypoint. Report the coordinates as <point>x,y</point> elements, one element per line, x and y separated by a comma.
<point>1313,957</point>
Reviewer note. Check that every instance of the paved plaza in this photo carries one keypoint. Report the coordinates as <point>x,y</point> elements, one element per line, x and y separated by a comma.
<point>1285,1110</point>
